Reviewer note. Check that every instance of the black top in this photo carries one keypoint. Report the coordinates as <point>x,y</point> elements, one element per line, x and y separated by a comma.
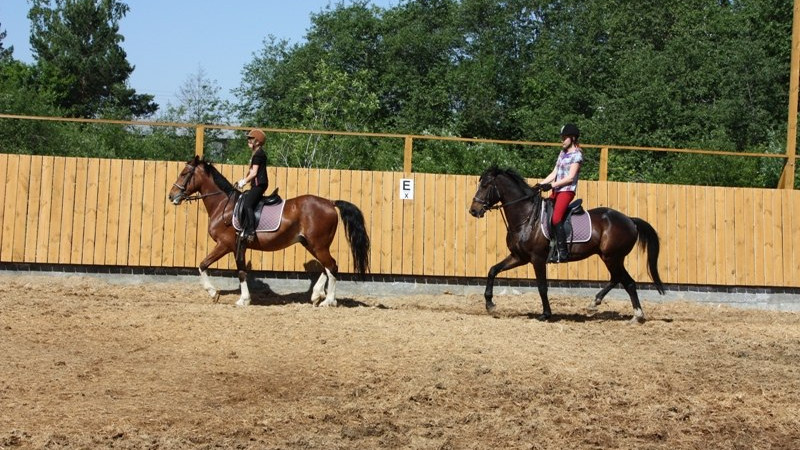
<point>259,158</point>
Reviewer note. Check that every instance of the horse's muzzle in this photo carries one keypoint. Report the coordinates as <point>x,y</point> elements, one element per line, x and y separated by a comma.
<point>176,199</point>
<point>478,211</point>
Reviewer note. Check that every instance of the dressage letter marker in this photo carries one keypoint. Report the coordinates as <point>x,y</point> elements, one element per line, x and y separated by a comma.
<point>406,189</point>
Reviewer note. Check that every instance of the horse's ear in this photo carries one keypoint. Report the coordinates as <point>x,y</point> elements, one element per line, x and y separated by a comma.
<point>195,160</point>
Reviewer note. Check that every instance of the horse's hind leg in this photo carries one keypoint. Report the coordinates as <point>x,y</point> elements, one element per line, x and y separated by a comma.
<point>619,275</point>
<point>598,299</point>
<point>328,277</point>
<point>319,289</point>
<point>330,297</point>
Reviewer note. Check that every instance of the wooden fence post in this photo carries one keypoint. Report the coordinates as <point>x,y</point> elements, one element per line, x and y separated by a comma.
<point>407,154</point>
<point>603,175</point>
<point>199,137</point>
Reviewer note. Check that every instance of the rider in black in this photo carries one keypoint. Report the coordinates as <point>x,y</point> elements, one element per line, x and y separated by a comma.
<point>257,177</point>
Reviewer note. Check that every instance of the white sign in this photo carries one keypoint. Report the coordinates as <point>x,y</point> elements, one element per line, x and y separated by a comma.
<point>406,189</point>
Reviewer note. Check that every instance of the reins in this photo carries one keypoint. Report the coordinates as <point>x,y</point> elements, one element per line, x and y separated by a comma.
<point>196,197</point>
<point>502,205</point>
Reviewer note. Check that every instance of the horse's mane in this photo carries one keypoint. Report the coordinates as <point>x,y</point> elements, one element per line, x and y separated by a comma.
<point>218,178</point>
<point>494,171</point>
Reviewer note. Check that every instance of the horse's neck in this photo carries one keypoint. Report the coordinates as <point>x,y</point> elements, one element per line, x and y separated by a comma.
<point>516,208</point>
<point>214,197</point>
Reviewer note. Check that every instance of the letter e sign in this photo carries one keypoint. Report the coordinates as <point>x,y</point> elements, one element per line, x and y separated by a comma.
<point>406,189</point>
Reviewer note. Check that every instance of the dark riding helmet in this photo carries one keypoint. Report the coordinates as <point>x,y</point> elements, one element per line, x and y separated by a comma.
<point>570,129</point>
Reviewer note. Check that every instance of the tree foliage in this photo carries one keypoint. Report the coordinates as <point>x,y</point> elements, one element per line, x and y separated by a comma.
<point>705,74</point>
<point>76,46</point>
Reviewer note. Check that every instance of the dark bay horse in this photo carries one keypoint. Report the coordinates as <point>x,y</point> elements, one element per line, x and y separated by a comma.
<point>307,219</point>
<point>613,236</point>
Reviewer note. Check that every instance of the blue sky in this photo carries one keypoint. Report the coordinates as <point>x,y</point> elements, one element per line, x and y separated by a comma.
<point>168,41</point>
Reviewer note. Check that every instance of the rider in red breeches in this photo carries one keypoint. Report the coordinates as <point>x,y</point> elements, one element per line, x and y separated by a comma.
<point>564,181</point>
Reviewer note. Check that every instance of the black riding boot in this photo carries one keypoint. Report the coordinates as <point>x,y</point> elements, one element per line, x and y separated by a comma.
<point>562,253</point>
<point>248,227</point>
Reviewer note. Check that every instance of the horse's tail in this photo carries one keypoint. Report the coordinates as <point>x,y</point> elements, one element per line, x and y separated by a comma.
<point>648,239</point>
<point>356,234</point>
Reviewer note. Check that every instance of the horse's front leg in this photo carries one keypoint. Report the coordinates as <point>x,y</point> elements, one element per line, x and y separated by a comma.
<point>217,252</point>
<point>509,262</point>
<point>241,267</point>
<point>540,269</point>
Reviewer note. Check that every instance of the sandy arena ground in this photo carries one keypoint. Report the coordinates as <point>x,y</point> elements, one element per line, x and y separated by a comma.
<point>86,363</point>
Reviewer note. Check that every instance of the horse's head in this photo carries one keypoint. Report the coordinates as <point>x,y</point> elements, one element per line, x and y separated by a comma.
<point>186,184</point>
<point>487,194</point>
<point>498,185</point>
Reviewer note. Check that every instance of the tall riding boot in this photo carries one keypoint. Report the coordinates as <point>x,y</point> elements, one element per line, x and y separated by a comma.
<point>561,242</point>
<point>248,230</point>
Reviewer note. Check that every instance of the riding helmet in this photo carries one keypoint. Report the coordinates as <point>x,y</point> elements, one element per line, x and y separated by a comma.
<point>570,129</point>
<point>258,135</point>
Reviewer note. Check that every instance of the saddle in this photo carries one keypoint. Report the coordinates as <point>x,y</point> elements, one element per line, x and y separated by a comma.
<point>577,224</point>
<point>272,199</point>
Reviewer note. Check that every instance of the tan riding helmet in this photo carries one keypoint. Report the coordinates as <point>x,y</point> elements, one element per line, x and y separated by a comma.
<point>258,135</point>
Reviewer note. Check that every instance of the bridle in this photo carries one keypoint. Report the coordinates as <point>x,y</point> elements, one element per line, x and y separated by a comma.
<point>487,206</point>
<point>182,187</point>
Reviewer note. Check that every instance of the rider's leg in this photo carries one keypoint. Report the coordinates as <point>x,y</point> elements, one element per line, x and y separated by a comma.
<point>562,201</point>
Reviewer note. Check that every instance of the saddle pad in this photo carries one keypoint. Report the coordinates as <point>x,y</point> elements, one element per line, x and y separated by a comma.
<point>581,226</point>
<point>270,218</point>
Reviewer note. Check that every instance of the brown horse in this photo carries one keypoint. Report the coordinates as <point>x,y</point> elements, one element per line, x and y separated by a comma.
<point>307,219</point>
<point>613,236</point>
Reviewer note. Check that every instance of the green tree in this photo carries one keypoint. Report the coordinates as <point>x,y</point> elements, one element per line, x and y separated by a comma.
<point>5,53</point>
<point>76,46</point>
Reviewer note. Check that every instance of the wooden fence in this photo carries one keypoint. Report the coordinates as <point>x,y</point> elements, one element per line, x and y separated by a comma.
<point>80,211</point>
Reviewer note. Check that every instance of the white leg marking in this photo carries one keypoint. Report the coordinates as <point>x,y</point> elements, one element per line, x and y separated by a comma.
<point>212,291</point>
<point>638,316</point>
<point>319,289</point>
<point>244,299</point>
<point>330,299</point>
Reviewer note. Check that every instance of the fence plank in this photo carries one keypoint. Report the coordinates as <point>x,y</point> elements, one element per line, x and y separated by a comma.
<point>34,199</point>
<point>3,167</point>
<point>9,207</point>
<point>101,226</point>
<point>758,237</point>
<point>114,205</point>
<point>397,230</point>
<point>774,255</point>
<point>787,249</point>
<point>125,213</point>
<point>376,211</point>
<point>148,206</point>
<point>56,207</point>
<point>90,211</point>
<point>794,238</point>
<point>79,210</point>
<point>440,224</point>
<point>21,213</point>
<point>136,217</point>
<point>68,203</point>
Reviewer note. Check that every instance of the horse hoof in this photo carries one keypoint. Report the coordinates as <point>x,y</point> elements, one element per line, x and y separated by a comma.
<point>592,307</point>
<point>490,307</point>
<point>328,303</point>
<point>242,302</point>
<point>215,297</point>
<point>637,320</point>
<point>543,318</point>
